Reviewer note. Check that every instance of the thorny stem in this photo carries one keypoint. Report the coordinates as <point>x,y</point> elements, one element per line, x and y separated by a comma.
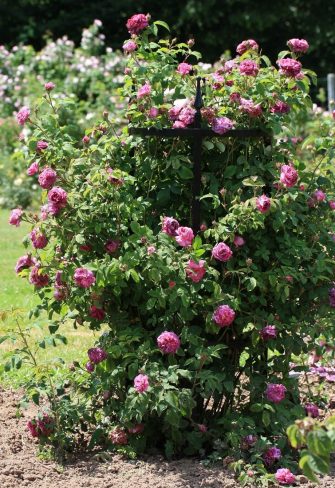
<point>25,342</point>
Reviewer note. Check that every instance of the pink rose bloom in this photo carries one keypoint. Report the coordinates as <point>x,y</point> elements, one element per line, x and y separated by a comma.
<point>90,367</point>
<point>288,175</point>
<point>151,250</point>
<point>275,392</point>
<point>229,66</point>
<point>97,313</point>
<point>23,115</point>
<point>284,476</point>
<point>85,139</point>
<point>49,86</point>
<point>57,198</point>
<point>15,217</point>
<point>196,271</point>
<point>268,332</point>
<point>44,213</point>
<point>168,342</point>
<point>97,355</point>
<point>174,112</point>
<point>186,115</point>
<point>115,180</point>
<point>221,125</point>
<point>331,204</point>
<point>38,279</point>
<point>248,107</point>
<point>250,440</point>
<point>289,67</point>
<point>178,125</point>
<point>84,277</point>
<point>47,178</point>
<point>239,241</point>
<point>137,23</point>
<point>25,262</point>
<point>170,226</point>
<point>249,68</point>
<point>202,427</point>
<point>119,437</point>
<point>280,108</point>
<point>298,45</point>
<point>222,252</point>
<point>153,113</point>
<point>144,91</point>
<point>223,316</point>
<point>263,203</point>
<point>271,455</point>
<point>129,46</point>
<point>41,146</point>
<point>235,97</point>
<point>184,68</point>
<point>184,236</point>
<point>137,429</point>
<point>249,45</point>
<point>41,427</point>
<point>319,196</point>
<point>141,383</point>
<point>172,284</point>
<point>112,246</point>
<point>311,410</point>
<point>33,169</point>
<point>38,239</point>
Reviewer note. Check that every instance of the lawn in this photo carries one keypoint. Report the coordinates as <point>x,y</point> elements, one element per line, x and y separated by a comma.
<point>18,296</point>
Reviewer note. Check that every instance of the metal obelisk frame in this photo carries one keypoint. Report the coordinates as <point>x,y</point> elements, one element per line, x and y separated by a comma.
<point>197,134</point>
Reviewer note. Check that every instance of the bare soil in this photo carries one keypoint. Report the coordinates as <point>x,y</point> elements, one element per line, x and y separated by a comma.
<point>20,466</point>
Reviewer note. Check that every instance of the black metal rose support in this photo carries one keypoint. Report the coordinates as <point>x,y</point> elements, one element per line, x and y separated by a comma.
<point>197,134</point>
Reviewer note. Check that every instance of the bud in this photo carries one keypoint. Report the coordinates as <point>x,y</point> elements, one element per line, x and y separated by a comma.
<point>105,114</point>
<point>248,262</point>
<point>190,42</point>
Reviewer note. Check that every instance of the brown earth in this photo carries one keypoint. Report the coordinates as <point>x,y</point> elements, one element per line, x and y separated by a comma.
<point>20,466</point>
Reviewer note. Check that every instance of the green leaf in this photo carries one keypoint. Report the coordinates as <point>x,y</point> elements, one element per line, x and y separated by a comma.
<point>134,275</point>
<point>162,24</point>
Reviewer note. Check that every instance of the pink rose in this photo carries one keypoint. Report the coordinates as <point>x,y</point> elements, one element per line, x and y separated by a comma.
<point>137,23</point>
<point>280,107</point>
<point>97,355</point>
<point>33,169</point>
<point>239,241</point>
<point>144,90</point>
<point>268,332</point>
<point>184,236</point>
<point>84,277</point>
<point>151,250</point>
<point>112,246</point>
<point>47,178</point>
<point>25,262</point>
<point>153,113</point>
<point>38,239</point>
<point>184,68</point>
<point>97,313</point>
<point>119,437</point>
<point>275,392</point>
<point>196,271</point>
<point>331,204</point>
<point>168,342</point>
<point>223,316</point>
<point>23,115</point>
<point>129,47</point>
<point>229,66</point>
<point>284,476</point>
<point>222,252</point>
<point>319,196</point>
<point>248,107</point>
<point>249,67</point>
<point>271,455</point>
<point>186,116</point>
<point>170,226</point>
<point>137,429</point>
<point>41,146</point>
<point>37,278</point>
<point>49,86</point>
<point>298,45</point>
<point>289,67</point>
<point>90,367</point>
<point>221,125</point>
<point>85,139</point>
<point>141,383</point>
<point>263,203</point>
<point>249,45</point>
<point>57,198</point>
<point>288,175</point>
<point>15,217</point>
<point>202,427</point>
<point>311,410</point>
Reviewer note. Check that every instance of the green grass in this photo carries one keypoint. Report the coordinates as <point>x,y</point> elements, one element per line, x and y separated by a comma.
<point>17,294</point>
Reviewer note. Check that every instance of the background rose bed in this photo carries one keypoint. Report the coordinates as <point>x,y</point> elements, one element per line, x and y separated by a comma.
<point>202,329</point>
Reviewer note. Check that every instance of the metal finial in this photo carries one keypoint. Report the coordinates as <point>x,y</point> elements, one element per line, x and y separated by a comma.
<point>198,104</point>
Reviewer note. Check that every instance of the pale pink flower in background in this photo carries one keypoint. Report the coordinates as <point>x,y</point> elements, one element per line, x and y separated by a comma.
<point>141,383</point>
<point>229,66</point>
<point>319,196</point>
<point>239,241</point>
<point>250,108</point>
<point>129,46</point>
<point>15,217</point>
<point>184,68</point>
<point>331,204</point>
<point>248,45</point>
<point>263,203</point>
<point>23,115</point>
<point>184,236</point>
<point>196,271</point>
<point>153,113</point>
<point>151,250</point>
<point>49,86</point>
<point>144,90</point>
<point>85,139</point>
<point>33,169</point>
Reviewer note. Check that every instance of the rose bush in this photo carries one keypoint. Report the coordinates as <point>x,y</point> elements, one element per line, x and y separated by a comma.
<point>189,361</point>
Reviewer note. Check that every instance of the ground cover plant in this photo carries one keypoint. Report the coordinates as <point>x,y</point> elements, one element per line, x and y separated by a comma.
<point>202,329</point>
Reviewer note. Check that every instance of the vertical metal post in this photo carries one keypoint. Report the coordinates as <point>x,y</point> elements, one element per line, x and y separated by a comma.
<point>196,153</point>
<point>331,91</point>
